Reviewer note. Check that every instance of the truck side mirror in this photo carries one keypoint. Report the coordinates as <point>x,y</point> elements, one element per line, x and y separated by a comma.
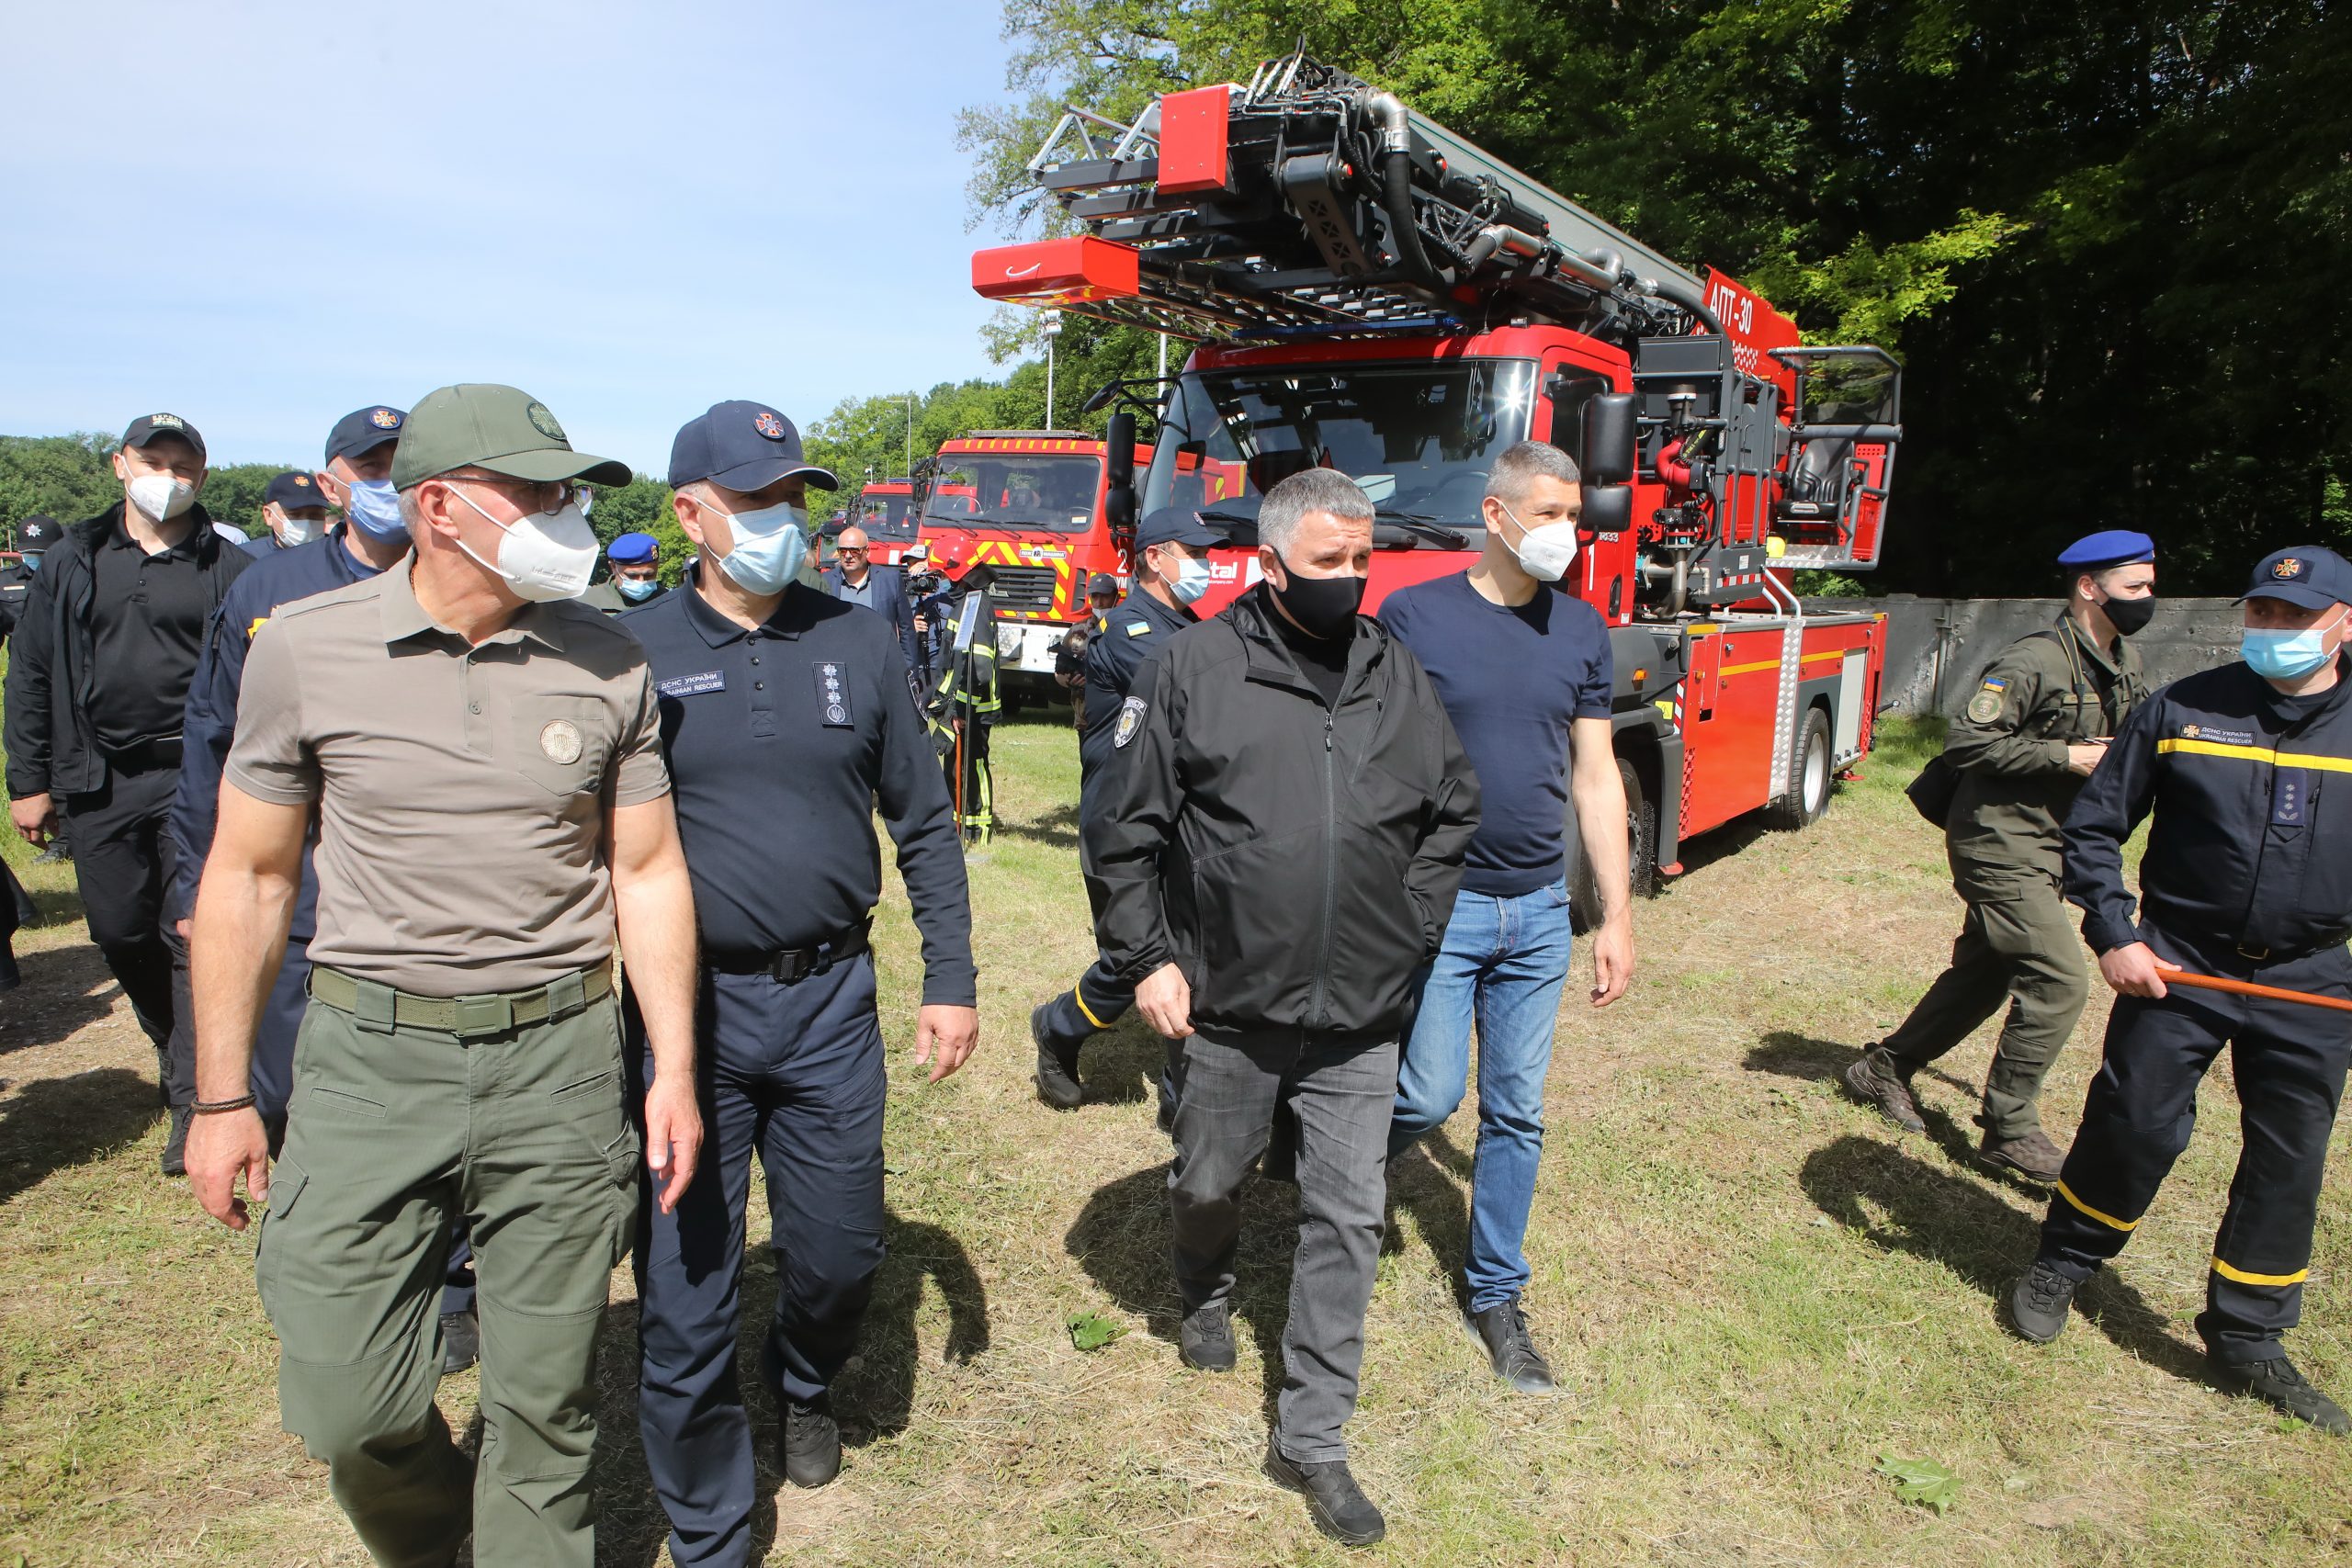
<point>1607,509</point>
<point>1119,470</point>
<point>1610,431</point>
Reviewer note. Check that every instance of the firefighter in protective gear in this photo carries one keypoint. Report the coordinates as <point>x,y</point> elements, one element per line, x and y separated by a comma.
<point>965,700</point>
<point>2239,773</point>
<point>2034,728</point>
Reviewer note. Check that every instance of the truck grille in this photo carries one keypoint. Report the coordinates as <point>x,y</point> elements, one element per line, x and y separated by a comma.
<point>1023,590</point>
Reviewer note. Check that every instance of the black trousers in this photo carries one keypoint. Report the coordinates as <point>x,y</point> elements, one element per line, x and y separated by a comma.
<point>1096,1002</point>
<point>2289,1061</point>
<point>123,861</point>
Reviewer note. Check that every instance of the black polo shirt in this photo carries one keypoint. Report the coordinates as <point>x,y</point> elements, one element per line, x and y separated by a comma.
<point>147,616</point>
<point>783,741</point>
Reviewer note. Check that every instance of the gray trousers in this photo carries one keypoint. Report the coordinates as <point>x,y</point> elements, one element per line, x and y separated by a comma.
<point>1226,1098</point>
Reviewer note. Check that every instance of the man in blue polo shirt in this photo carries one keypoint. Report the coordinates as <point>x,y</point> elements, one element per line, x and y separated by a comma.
<point>1525,675</point>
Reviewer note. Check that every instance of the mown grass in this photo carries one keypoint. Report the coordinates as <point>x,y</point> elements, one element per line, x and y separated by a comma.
<point>1751,1286</point>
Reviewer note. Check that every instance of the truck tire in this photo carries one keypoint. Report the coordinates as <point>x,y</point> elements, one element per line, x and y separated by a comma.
<point>1810,777</point>
<point>1641,834</point>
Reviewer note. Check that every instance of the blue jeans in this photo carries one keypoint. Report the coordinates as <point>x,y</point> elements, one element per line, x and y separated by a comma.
<point>1503,965</point>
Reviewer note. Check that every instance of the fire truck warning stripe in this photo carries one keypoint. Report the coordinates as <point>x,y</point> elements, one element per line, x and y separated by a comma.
<point>2257,754</point>
<point>2243,1278</point>
<point>1749,669</point>
<point>2108,1220</point>
<point>1828,653</point>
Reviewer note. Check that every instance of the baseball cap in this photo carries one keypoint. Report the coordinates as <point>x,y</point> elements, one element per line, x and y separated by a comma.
<point>1101,582</point>
<point>148,427</point>
<point>627,549</point>
<point>364,429</point>
<point>1177,525</point>
<point>2307,575</point>
<point>37,533</point>
<point>503,429</point>
<point>741,446</point>
<point>293,488</point>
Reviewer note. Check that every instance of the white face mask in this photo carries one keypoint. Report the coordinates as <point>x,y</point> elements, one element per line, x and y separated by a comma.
<point>542,558</point>
<point>293,531</point>
<point>1544,553</point>
<point>160,496</point>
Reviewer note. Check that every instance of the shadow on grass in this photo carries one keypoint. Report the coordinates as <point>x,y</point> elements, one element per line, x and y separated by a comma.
<point>1908,1205</point>
<point>873,1396</point>
<point>50,1124</point>
<point>1122,1065</point>
<point>66,988</point>
<point>1428,1181</point>
<point>1056,829</point>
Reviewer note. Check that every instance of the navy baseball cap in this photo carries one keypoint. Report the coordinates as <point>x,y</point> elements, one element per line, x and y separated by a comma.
<point>742,446</point>
<point>2308,575</point>
<point>153,426</point>
<point>1102,583</point>
<point>364,429</point>
<point>291,489</point>
<point>37,533</point>
<point>628,548</point>
<point>2116,547</point>
<point>1177,525</point>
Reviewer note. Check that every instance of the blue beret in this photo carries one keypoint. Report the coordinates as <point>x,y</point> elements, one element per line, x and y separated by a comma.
<point>632,547</point>
<point>2116,547</point>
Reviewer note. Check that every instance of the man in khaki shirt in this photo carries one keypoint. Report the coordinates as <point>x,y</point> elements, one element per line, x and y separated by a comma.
<point>492,815</point>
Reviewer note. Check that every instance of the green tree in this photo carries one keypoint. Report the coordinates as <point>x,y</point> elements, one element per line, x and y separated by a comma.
<point>65,477</point>
<point>642,506</point>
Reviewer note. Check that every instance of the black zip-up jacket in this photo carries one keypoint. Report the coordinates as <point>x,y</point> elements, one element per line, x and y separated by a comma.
<point>1127,636</point>
<point>1296,863</point>
<point>50,748</point>
<point>2250,846</point>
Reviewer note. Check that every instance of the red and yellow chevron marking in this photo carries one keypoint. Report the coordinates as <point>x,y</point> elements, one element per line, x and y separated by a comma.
<point>1025,552</point>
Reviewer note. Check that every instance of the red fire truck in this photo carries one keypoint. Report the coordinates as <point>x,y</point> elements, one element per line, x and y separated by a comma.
<point>1371,293</point>
<point>1038,506</point>
<point>885,508</point>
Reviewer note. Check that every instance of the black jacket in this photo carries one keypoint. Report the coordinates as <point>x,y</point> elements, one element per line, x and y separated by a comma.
<point>51,747</point>
<point>1140,628</point>
<point>2250,844</point>
<point>1299,864</point>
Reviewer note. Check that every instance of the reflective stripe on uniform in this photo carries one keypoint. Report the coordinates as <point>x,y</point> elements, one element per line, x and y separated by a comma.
<point>2257,754</point>
<point>2108,1220</point>
<point>2244,1278</point>
<point>1079,997</point>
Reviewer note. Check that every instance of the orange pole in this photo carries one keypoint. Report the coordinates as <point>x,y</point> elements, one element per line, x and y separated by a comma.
<point>2248,988</point>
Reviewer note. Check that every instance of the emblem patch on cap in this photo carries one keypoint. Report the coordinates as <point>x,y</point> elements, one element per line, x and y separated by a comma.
<point>543,422</point>
<point>560,741</point>
<point>2288,569</point>
<point>302,481</point>
<point>385,419</point>
<point>767,424</point>
<point>167,421</point>
<point>1130,720</point>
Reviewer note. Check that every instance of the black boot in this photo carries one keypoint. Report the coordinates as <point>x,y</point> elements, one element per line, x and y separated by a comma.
<point>2039,1302</point>
<point>1339,1506</point>
<point>1057,1078</point>
<point>1501,1331</point>
<point>460,1340</point>
<point>812,1442</point>
<point>1205,1340</point>
<point>2278,1385</point>
<point>175,1145</point>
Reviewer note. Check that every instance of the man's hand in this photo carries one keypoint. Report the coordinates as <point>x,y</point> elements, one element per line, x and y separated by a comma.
<point>2082,756</point>
<point>922,625</point>
<point>220,1145</point>
<point>35,818</point>
<point>1613,959</point>
<point>944,1036</point>
<point>2134,970</point>
<point>673,1136</point>
<point>1165,999</point>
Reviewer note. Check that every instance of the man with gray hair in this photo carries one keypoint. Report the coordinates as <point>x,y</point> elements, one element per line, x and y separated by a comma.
<point>1274,855</point>
<point>1525,674</point>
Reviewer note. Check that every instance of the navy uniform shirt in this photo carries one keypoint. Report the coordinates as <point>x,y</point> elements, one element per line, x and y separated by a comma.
<point>780,741</point>
<point>210,720</point>
<point>1130,633</point>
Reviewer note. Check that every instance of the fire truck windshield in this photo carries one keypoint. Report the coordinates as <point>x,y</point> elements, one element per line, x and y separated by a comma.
<point>886,516</point>
<point>1055,491</point>
<point>1419,438</point>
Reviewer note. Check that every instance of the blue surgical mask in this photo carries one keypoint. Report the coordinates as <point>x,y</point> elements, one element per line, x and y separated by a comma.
<point>637,592</point>
<point>2285,655</point>
<point>33,563</point>
<point>375,510</point>
<point>1192,581</point>
<point>771,548</point>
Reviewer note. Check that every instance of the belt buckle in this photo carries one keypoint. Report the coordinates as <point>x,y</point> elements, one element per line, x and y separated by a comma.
<point>481,1015</point>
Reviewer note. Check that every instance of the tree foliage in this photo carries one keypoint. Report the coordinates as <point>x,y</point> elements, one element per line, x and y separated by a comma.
<point>71,477</point>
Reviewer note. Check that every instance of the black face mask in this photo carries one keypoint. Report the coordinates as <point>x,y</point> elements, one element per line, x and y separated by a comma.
<point>1323,606</point>
<point>2130,615</point>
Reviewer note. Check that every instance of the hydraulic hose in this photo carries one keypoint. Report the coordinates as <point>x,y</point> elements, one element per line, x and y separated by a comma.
<point>1675,293</point>
<point>1397,187</point>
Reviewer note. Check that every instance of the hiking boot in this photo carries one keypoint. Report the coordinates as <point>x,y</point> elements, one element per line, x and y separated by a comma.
<point>1205,1341</point>
<point>176,1147</point>
<point>1339,1506</point>
<point>2278,1385</point>
<point>812,1442</point>
<point>460,1340</point>
<point>1057,1077</point>
<point>1877,1082</point>
<point>2031,1154</point>
<point>1502,1331</point>
<point>56,852</point>
<point>2039,1302</point>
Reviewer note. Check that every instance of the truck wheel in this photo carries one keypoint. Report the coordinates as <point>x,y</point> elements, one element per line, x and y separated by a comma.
<point>1810,777</point>
<point>1641,834</point>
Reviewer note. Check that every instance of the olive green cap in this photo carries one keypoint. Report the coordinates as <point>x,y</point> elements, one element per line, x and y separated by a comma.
<point>500,428</point>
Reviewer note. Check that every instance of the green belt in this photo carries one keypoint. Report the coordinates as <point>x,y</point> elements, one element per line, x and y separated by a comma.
<point>381,1009</point>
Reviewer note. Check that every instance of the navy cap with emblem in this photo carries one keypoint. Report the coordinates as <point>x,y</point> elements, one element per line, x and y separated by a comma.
<point>742,446</point>
<point>37,533</point>
<point>1177,525</point>
<point>1101,584</point>
<point>292,490</point>
<point>155,426</point>
<point>2308,575</point>
<point>2111,548</point>
<point>363,429</point>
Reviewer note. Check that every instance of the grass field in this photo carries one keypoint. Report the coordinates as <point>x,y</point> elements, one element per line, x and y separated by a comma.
<point>1752,1288</point>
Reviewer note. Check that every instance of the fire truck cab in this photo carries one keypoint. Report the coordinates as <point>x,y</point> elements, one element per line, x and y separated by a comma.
<point>886,510</point>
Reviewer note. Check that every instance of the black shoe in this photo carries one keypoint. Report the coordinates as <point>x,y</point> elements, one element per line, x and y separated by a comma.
<point>56,850</point>
<point>1502,1332</point>
<point>1341,1509</point>
<point>2277,1383</point>
<point>1057,1079</point>
<point>1205,1341</point>
<point>2039,1302</point>
<point>2031,1156</point>
<point>812,1442</point>
<point>460,1340</point>
<point>1877,1083</point>
<point>176,1147</point>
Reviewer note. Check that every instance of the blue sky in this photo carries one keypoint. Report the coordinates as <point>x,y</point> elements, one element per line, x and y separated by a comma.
<point>263,215</point>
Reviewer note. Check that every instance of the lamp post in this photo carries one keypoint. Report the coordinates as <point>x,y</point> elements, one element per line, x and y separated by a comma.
<point>1053,331</point>
<point>911,433</point>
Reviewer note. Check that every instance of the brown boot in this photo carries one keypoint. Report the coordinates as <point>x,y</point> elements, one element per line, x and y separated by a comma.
<point>2031,1154</point>
<point>1877,1082</point>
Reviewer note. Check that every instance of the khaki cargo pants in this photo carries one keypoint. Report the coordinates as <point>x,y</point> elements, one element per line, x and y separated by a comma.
<point>395,1132</point>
